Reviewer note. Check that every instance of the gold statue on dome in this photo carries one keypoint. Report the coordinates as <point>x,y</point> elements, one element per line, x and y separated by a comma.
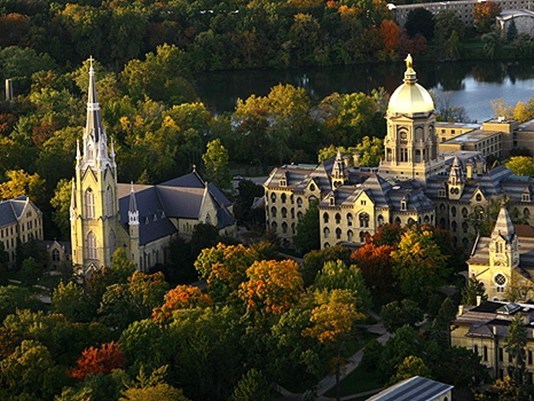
<point>409,61</point>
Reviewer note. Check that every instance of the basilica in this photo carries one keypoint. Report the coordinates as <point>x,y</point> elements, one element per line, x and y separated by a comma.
<point>425,177</point>
<point>143,219</point>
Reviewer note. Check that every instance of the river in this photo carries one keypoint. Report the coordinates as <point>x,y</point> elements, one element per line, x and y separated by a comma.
<point>471,85</point>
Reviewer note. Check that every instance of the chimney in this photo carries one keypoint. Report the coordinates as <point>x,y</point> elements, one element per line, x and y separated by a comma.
<point>9,89</point>
<point>460,310</point>
<point>494,330</point>
<point>479,300</point>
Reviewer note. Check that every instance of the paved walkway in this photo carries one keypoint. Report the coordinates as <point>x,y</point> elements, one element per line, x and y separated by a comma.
<point>329,382</point>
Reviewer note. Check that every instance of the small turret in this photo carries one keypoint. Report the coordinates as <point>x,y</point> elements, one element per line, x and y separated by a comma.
<point>456,181</point>
<point>133,211</point>
<point>339,175</point>
<point>503,246</point>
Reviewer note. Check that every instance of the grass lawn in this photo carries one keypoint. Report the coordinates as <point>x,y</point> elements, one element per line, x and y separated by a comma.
<point>358,381</point>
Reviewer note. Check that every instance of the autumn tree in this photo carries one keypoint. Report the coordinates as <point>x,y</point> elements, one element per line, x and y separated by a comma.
<point>98,360</point>
<point>272,286</point>
<point>484,14</point>
<point>376,265</point>
<point>20,183</point>
<point>419,264</point>
<point>216,163</point>
<point>181,297</point>
<point>391,35</point>
<point>332,323</point>
<point>224,268</point>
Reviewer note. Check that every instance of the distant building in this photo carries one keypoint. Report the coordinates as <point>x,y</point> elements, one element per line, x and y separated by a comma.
<point>462,8</point>
<point>416,388</point>
<point>523,20</point>
<point>483,328</point>
<point>416,182</point>
<point>20,222</point>
<point>142,219</point>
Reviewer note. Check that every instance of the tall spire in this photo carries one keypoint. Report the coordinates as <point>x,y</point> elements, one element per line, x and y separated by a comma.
<point>504,226</point>
<point>133,211</point>
<point>93,126</point>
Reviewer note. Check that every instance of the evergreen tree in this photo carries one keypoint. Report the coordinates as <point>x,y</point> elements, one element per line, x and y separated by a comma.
<point>516,341</point>
<point>307,237</point>
<point>253,386</point>
<point>511,33</point>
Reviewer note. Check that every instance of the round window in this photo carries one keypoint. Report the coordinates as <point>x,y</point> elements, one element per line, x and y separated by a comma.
<point>500,279</point>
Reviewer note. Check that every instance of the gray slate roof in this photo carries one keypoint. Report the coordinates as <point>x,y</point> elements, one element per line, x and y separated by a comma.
<point>179,198</point>
<point>416,388</point>
<point>11,210</point>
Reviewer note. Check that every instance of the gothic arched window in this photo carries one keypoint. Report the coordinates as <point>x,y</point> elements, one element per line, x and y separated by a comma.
<point>338,218</point>
<point>325,218</point>
<point>91,245</point>
<point>364,219</point>
<point>349,219</point>
<point>350,235</point>
<point>109,201</point>
<point>326,232</point>
<point>89,204</point>
<point>55,255</point>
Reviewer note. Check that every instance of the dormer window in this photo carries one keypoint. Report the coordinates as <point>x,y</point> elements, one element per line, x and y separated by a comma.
<point>332,201</point>
<point>525,197</point>
<point>312,187</point>
<point>283,182</point>
<point>442,193</point>
<point>404,205</point>
<point>478,197</point>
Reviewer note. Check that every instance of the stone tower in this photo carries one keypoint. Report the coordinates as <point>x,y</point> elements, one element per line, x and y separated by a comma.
<point>94,212</point>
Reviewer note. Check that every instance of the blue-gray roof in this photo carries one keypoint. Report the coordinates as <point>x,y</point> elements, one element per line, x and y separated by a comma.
<point>11,210</point>
<point>416,388</point>
<point>179,198</point>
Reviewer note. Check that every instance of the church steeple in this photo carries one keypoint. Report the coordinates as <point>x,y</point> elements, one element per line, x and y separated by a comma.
<point>133,211</point>
<point>503,246</point>
<point>95,148</point>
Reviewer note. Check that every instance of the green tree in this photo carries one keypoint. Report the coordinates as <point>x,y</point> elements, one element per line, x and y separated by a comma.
<point>409,367</point>
<point>397,314</point>
<point>473,289</point>
<point>307,237</point>
<point>521,165</point>
<point>31,371</point>
<point>371,151</point>
<point>61,204</point>
<point>336,275</point>
<point>314,261</point>
<point>420,21</point>
<point>216,164</point>
<point>511,32</point>
<point>253,386</point>
<point>515,344</point>
<point>15,297</point>
<point>71,300</point>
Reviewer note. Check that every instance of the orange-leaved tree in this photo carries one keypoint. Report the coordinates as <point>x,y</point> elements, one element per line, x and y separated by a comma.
<point>223,267</point>
<point>272,286</point>
<point>181,297</point>
<point>98,360</point>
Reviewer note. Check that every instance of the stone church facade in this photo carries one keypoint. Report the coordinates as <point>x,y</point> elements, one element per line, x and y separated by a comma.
<point>142,219</point>
<point>415,183</point>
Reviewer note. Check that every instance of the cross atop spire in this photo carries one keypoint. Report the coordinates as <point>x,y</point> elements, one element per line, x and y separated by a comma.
<point>91,59</point>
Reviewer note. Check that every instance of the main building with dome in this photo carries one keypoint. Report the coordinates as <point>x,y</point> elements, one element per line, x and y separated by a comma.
<point>416,181</point>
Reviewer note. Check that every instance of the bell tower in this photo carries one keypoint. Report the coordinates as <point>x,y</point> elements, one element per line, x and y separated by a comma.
<point>94,211</point>
<point>456,181</point>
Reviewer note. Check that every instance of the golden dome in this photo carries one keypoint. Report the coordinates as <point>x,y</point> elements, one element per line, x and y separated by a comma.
<point>410,97</point>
